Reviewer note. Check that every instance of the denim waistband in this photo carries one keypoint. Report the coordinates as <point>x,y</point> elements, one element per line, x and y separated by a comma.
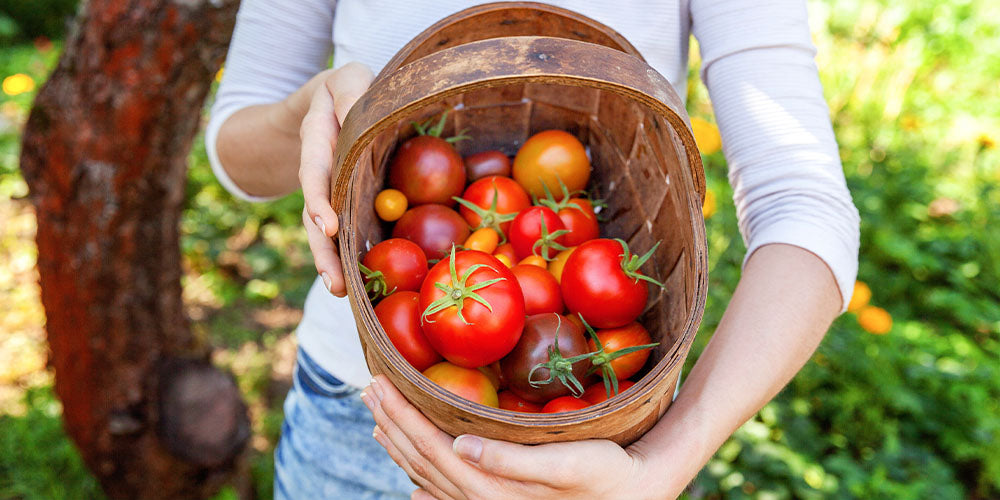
<point>319,378</point>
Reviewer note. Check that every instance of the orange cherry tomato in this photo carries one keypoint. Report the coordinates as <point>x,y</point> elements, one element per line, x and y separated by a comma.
<point>533,260</point>
<point>506,249</point>
<point>614,339</point>
<point>468,383</point>
<point>549,156</point>
<point>483,239</point>
<point>565,403</point>
<point>558,263</point>
<point>390,204</point>
<point>504,259</point>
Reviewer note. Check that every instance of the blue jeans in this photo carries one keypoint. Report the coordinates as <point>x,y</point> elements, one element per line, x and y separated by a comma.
<point>326,448</point>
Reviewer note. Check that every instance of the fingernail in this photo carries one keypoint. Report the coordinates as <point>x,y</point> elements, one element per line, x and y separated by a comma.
<point>320,224</point>
<point>327,281</point>
<point>367,399</point>
<point>378,434</point>
<point>378,389</point>
<point>468,447</point>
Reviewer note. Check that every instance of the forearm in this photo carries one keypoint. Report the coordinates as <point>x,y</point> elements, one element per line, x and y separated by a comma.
<point>259,145</point>
<point>780,311</point>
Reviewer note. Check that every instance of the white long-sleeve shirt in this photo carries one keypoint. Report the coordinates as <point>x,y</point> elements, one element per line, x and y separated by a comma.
<point>757,62</point>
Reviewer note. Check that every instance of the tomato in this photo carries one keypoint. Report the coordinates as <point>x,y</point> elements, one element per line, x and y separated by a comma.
<point>537,231</point>
<point>548,157</point>
<point>435,228</point>
<point>493,202</point>
<point>426,168</point>
<point>559,263</point>
<point>533,260</point>
<point>492,372</point>
<point>601,281</point>
<point>394,265</point>
<point>483,239</point>
<point>390,204</point>
<point>506,249</point>
<point>540,289</point>
<point>399,316</point>
<point>513,402</point>
<point>486,164</point>
<point>598,393</point>
<point>468,383</point>
<point>576,214</point>
<point>504,259</point>
<point>613,340</point>
<point>536,370</point>
<point>565,403</point>
<point>473,308</point>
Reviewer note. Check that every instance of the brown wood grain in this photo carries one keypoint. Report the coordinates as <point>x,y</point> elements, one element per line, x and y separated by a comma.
<point>497,78</point>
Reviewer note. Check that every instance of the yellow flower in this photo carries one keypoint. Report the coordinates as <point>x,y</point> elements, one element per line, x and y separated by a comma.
<point>218,74</point>
<point>986,142</point>
<point>18,84</point>
<point>875,320</point>
<point>710,206</point>
<point>706,135</point>
<point>862,294</point>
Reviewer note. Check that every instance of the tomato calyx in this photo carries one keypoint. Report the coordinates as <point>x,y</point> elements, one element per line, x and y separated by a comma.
<point>434,130</point>
<point>547,242</point>
<point>489,217</point>
<point>550,201</point>
<point>631,263</point>
<point>601,360</point>
<point>456,293</point>
<point>560,368</point>
<point>375,284</point>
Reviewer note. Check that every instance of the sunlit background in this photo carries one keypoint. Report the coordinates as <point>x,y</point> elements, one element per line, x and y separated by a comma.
<point>902,400</point>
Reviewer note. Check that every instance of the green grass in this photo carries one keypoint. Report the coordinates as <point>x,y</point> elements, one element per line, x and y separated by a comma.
<point>912,414</point>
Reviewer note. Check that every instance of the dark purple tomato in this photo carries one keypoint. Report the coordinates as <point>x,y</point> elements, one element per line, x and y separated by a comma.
<point>533,349</point>
<point>434,228</point>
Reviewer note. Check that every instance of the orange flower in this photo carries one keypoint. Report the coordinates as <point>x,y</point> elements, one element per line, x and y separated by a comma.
<point>862,294</point>
<point>875,320</point>
<point>706,135</point>
<point>710,206</point>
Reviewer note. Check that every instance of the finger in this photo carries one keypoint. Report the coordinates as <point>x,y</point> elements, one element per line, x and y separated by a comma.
<point>558,465</point>
<point>347,85</point>
<point>325,257</point>
<point>422,494</point>
<point>318,132</point>
<point>418,466</point>
<point>400,460</point>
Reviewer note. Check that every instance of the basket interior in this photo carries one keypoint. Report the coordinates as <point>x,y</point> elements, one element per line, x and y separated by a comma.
<point>640,168</point>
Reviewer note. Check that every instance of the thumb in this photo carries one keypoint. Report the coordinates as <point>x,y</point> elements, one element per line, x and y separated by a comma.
<point>553,464</point>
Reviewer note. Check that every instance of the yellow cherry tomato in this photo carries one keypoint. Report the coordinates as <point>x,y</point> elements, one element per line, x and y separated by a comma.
<point>558,263</point>
<point>483,239</point>
<point>390,204</point>
<point>534,260</point>
<point>505,259</point>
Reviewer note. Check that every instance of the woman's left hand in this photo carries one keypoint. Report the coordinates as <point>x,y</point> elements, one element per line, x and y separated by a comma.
<point>471,467</point>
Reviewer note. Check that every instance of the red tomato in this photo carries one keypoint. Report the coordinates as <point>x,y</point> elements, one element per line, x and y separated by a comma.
<point>427,169</point>
<point>435,228</point>
<point>597,393</point>
<point>399,315</point>
<point>468,383</point>
<point>508,250</point>
<point>549,157</point>
<point>537,231</point>
<point>510,401</point>
<point>541,290</point>
<point>601,281</point>
<point>486,164</point>
<point>579,219</point>
<point>565,403</point>
<point>493,202</point>
<point>466,331</point>
<point>394,265</point>
<point>616,339</point>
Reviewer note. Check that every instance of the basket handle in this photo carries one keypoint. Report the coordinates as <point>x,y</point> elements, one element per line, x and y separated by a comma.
<point>496,62</point>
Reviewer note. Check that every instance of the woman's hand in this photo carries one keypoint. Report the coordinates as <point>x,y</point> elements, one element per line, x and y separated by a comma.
<point>330,96</point>
<point>470,467</point>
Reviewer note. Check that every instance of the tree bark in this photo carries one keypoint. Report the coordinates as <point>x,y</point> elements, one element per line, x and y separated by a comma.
<point>104,153</point>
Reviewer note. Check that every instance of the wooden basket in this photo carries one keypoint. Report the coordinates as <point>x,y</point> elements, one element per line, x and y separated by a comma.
<point>505,71</point>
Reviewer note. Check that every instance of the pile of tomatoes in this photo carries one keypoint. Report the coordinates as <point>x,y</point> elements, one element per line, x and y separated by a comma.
<point>524,306</point>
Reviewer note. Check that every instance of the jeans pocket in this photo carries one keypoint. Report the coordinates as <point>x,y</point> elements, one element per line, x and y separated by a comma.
<point>314,379</point>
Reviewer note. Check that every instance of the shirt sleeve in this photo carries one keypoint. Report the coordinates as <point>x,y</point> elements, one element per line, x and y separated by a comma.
<point>277,46</point>
<point>784,165</point>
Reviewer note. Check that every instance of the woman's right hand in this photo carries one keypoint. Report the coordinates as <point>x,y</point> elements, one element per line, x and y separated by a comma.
<point>325,100</point>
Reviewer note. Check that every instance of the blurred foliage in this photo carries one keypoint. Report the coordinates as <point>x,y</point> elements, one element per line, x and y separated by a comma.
<point>914,413</point>
<point>29,19</point>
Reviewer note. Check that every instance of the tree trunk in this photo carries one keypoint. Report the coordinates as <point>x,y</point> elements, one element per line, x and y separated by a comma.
<point>104,153</point>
